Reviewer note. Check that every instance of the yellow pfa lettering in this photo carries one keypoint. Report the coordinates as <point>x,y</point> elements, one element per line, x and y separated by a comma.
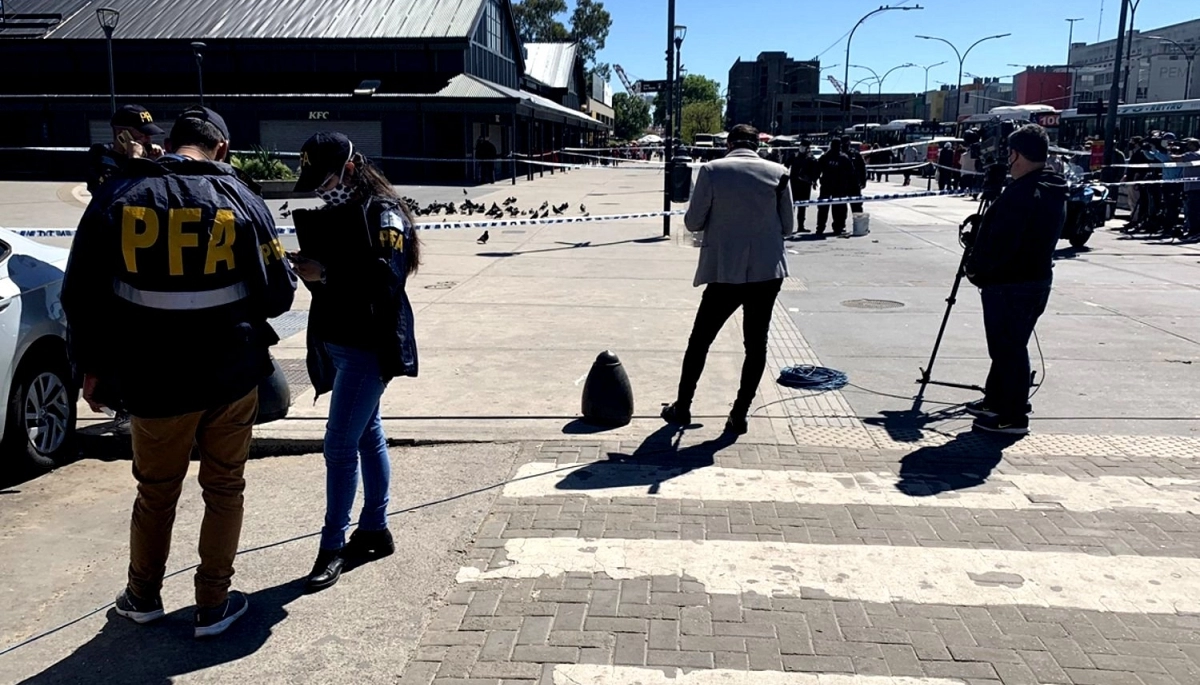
<point>271,251</point>
<point>220,244</point>
<point>133,239</point>
<point>177,239</point>
<point>392,238</point>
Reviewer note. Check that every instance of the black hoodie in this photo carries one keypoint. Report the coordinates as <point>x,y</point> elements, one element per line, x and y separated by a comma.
<point>1020,231</point>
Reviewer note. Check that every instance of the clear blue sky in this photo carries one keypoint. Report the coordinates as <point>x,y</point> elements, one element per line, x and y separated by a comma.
<point>720,32</point>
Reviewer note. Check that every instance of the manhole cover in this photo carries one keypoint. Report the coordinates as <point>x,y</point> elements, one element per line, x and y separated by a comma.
<point>444,285</point>
<point>872,304</point>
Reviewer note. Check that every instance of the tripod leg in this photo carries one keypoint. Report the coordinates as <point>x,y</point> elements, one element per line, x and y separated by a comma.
<point>937,343</point>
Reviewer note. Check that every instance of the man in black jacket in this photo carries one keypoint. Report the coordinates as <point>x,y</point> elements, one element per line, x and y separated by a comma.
<point>860,170</point>
<point>1011,262</point>
<point>803,173</point>
<point>837,180</point>
<point>133,136</point>
<point>174,271</point>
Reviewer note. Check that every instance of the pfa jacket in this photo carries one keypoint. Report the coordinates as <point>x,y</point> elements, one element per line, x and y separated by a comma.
<point>174,271</point>
<point>365,248</point>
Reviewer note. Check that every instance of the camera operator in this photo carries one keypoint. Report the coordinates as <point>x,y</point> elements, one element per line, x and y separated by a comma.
<point>1011,261</point>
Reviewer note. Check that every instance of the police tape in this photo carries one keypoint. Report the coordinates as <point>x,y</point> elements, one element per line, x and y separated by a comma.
<point>558,221</point>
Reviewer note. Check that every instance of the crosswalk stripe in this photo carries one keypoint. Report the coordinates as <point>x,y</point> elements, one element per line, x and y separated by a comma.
<point>587,674</point>
<point>871,573</point>
<point>714,483</point>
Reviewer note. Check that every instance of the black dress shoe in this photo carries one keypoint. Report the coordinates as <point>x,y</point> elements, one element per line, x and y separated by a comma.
<point>677,414</point>
<point>326,570</point>
<point>736,424</point>
<point>369,545</point>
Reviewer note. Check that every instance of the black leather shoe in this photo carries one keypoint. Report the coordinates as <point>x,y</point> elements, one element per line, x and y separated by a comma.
<point>326,570</point>
<point>677,414</point>
<point>736,424</point>
<point>368,545</point>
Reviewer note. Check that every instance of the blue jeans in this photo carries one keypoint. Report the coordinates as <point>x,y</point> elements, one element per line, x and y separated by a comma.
<point>1010,313</point>
<point>354,430</point>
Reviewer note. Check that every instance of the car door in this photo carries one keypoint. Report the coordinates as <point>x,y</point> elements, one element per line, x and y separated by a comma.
<point>10,328</point>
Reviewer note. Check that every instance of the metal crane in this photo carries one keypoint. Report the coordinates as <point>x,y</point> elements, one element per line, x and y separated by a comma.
<point>634,88</point>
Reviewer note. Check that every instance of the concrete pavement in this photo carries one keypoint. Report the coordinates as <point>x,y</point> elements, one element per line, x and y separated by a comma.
<point>843,536</point>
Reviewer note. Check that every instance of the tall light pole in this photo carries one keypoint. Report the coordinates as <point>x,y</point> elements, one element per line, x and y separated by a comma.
<point>196,48</point>
<point>883,78</point>
<point>846,75</point>
<point>925,93</point>
<point>876,77</point>
<point>961,59</point>
<point>108,19</point>
<point>1070,42</point>
<point>668,153</point>
<point>680,33</point>
<point>1133,5</point>
<point>1114,97</point>
<point>1187,85</point>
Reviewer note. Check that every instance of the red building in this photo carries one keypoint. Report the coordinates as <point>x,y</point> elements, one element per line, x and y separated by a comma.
<point>1043,86</point>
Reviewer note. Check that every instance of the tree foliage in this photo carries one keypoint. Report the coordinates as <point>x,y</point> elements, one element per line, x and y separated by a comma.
<point>631,114</point>
<point>701,117</point>
<point>538,22</point>
<point>696,89</point>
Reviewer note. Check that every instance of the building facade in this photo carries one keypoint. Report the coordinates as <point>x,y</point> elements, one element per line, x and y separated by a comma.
<point>1155,72</point>
<point>403,78</point>
<point>1043,85</point>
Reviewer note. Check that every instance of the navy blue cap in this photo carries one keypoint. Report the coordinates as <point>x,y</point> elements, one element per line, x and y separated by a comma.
<point>136,117</point>
<point>206,114</point>
<point>323,154</point>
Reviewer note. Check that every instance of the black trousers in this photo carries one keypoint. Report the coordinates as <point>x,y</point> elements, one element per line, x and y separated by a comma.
<point>719,302</point>
<point>804,192</point>
<point>839,217</point>
<point>1010,313</point>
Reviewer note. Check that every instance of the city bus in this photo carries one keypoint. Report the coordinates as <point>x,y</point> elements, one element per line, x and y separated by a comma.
<point>1181,117</point>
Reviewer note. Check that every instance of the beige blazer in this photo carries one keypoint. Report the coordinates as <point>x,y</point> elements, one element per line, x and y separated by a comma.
<point>743,203</point>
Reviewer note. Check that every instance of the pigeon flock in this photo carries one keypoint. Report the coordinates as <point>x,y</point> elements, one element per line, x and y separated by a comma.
<point>505,210</point>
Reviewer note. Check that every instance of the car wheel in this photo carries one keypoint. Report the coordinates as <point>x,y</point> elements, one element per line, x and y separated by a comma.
<point>41,412</point>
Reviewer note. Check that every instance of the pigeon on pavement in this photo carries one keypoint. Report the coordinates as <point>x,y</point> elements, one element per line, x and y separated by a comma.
<point>283,207</point>
<point>483,238</point>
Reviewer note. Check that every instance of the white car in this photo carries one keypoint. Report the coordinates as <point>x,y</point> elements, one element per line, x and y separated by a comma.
<point>35,375</point>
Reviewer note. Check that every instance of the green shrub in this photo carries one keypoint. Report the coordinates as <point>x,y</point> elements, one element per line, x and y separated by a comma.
<point>263,165</point>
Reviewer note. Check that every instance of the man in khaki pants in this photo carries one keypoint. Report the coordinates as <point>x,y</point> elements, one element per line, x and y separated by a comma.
<point>174,271</point>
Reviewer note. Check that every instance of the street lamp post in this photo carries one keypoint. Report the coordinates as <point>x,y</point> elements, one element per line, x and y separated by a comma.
<point>680,34</point>
<point>1187,85</point>
<point>668,153</point>
<point>925,93</point>
<point>108,19</point>
<point>961,59</point>
<point>1133,5</point>
<point>859,66</point>
<point>1070,42</point>
<point>846,75</point>
<point>196,48</point>
<point>884,77</point>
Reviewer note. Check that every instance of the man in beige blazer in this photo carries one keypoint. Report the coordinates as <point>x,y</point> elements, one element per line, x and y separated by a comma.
<point>743,205</point>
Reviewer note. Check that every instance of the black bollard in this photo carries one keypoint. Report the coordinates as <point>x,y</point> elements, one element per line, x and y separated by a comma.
<point>607,395</point>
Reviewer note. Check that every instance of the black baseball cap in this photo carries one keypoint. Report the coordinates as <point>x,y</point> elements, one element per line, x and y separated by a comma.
<point>136,117</point>
<point>205,114</point>
<point>323,154</point>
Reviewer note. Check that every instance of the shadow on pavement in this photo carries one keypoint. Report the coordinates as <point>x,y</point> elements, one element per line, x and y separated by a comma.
<point>124,652</point>
<point>908,425</point>
<point>658,459</point>
<point>1070,252</point>
<point>964,462</point>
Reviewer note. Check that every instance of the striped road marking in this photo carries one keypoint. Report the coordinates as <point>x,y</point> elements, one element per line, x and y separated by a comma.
<point>715,483</point>
<point>586,674</point>
<point>869,573</point>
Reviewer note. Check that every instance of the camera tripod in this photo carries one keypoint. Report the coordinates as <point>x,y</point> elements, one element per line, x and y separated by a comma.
<point>992,187</point>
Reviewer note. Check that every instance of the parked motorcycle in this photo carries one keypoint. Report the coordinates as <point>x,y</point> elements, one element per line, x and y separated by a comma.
<point>1088,208</point>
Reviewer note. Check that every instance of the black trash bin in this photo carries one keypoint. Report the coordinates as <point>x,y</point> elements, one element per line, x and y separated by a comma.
<point>681,178</point>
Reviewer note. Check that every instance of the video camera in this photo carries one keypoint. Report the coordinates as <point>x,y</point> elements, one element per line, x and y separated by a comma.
<point>993,155</point>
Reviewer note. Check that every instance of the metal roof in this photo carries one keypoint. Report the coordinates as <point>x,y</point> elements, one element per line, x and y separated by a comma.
<point>550,63</point>
<point>262,19</point>
<point>468,86</point>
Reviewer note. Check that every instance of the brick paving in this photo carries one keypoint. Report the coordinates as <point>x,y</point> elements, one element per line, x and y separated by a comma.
<point>509,631</point>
